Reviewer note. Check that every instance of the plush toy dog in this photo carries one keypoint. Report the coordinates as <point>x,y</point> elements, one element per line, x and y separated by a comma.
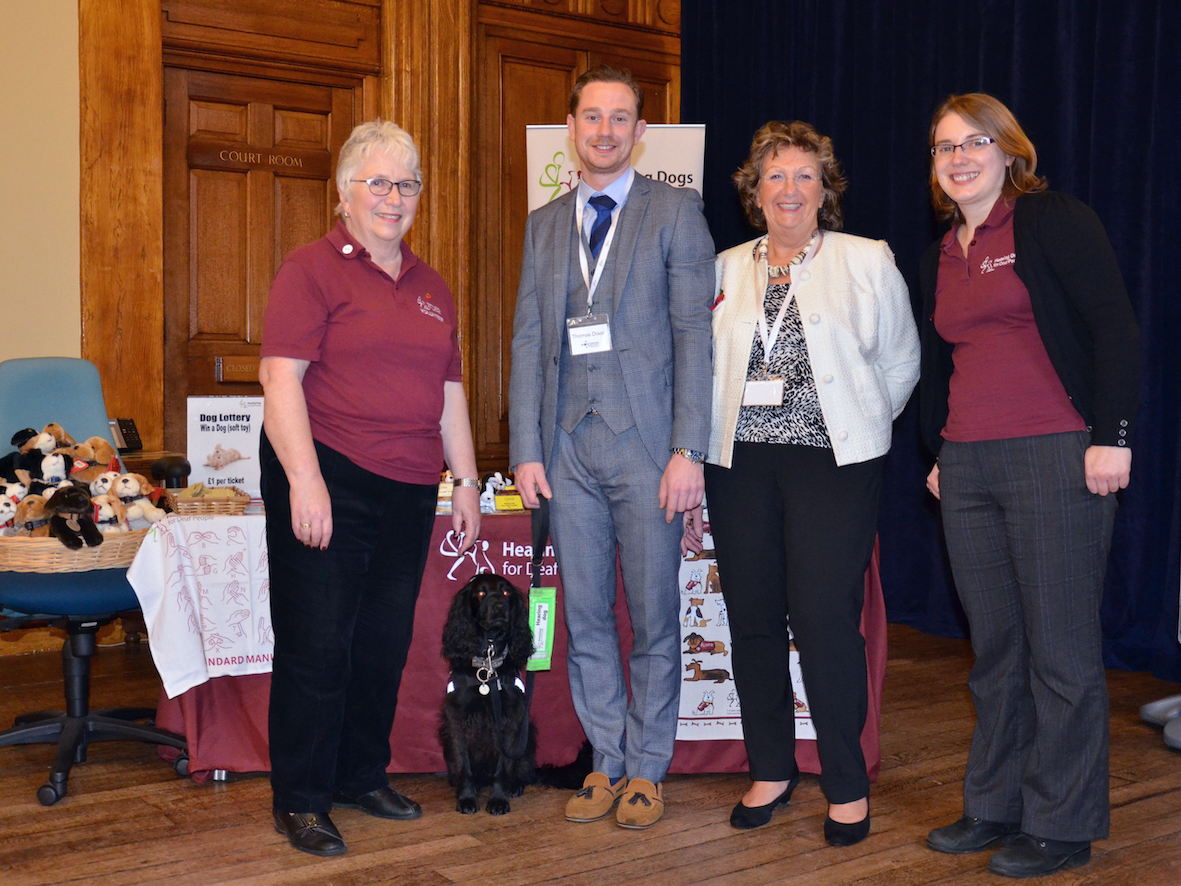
<point>133,490</point>
<point>109,514</point>
<point>220,457</point>
<point>14,464</point>
<point>101,484</point>
<point>13,491</point>
<point>51,438</point>
<point>31,519</point>
<point>71,518</point>
<point>10,461</point>
<point>7,515</point>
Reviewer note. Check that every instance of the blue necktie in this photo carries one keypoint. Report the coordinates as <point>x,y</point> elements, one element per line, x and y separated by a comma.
<point>602,205</point>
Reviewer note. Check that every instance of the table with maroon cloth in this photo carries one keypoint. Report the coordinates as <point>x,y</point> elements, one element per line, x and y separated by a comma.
<point>225,718</point>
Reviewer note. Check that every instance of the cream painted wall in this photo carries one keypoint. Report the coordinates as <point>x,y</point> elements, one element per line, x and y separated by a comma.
<point>39,180</point>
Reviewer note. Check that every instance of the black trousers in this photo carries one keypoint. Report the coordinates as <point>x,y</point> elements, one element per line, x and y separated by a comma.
<point>343,619</point>
<point>794,534</point>
<point>1028,544</point>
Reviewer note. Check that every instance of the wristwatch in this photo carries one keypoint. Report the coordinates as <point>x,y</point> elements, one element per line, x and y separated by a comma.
<point>468,481</point>
<point>692,454</point>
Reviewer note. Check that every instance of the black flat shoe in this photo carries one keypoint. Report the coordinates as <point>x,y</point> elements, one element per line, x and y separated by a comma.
<point>838,833</point>
<point>746,818</point>
<point>310,832</point>
<point>972,835</point>
<point>384,803</point>
<point>1029,856</point>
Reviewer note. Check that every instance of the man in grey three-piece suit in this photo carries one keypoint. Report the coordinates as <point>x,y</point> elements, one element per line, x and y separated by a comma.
<point>609,419</point>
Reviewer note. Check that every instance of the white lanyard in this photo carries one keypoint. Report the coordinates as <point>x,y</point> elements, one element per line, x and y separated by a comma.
<point>769,337</point>
<point>592,283</point>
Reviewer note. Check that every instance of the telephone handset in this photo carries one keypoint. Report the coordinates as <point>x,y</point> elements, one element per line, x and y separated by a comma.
<point>126,434</point>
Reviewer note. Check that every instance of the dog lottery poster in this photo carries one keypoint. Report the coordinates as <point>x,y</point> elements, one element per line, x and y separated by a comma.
<point>223,442</point>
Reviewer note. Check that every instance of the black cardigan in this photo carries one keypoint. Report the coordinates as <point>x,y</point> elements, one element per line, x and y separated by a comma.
<point>1082,313</point>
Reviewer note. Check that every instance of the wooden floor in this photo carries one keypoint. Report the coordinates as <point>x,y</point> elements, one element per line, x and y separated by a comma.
<point>128,819</point>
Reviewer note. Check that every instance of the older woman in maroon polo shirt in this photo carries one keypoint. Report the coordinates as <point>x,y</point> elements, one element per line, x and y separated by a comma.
<point>1030,383</point>
<point>364,403</point>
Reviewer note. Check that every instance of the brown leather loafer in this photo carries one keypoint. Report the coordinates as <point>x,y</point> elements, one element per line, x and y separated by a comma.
<point>384,803</point>
<point>310,832</point>
<point>641,805</point>
<point>596,798</point>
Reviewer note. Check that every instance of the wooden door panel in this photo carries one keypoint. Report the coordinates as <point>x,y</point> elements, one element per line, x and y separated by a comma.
<point>219,120</point>
<point>248,169</point>
<point>296,129</point>
<point>299,213</point>
<point>217,269</point>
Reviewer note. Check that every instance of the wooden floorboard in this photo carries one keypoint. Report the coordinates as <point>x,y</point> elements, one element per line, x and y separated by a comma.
<point>129,820</point>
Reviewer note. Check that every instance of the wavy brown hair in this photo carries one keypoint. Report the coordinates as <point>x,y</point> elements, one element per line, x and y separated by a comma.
<point>771,138</point>
<point>992,118</point>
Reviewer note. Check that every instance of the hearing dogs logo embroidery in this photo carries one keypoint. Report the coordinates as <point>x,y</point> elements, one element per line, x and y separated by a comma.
<point>990,264</point>
<point>431,310</point>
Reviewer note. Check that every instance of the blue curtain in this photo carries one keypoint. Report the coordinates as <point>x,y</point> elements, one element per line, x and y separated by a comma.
<point>1097,86</point>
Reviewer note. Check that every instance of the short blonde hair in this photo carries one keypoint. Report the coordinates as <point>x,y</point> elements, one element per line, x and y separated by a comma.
<point>375,137</point>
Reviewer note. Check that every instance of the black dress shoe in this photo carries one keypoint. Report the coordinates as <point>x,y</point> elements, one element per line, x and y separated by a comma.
<point>747,817</point>
<point>311,832</point>
<point>1029,856</point>
<point>384,803</point>
<point>972,835</point>
<point>837,833</point>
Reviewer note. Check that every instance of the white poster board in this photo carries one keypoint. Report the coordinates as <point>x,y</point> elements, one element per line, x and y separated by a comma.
<point>672,153</point>
<point>223,442</point>
<point>710,708</point>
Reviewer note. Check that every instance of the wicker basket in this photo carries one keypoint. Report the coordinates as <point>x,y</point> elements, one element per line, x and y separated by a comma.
<point>19,554</point>
<point>201,507</point>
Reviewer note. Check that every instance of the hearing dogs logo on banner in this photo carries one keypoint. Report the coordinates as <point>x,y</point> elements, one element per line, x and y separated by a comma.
<point>672,153</point>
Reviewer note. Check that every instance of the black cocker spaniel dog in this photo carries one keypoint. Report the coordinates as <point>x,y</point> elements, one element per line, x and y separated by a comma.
<point>486,735</point>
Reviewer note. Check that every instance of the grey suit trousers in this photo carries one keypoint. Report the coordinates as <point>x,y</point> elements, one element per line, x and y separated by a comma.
<point>1028,545</point>
<point>605,490</point>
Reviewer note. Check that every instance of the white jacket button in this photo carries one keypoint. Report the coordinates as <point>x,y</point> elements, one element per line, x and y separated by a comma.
<point>347,249</point>
<point>814,319</point>
<point>827,379</point>
<point>805,276</point>
<point>843,435</point>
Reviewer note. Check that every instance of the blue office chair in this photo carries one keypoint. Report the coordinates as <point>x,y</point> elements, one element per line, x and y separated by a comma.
<point>33,393</point>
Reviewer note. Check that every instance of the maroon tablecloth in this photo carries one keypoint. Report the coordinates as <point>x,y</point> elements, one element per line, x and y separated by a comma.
<point>225,719</point>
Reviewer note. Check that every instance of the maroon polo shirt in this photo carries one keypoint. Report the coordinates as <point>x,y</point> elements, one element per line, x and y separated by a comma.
<point>379,351</point>
<point>1003,384</point>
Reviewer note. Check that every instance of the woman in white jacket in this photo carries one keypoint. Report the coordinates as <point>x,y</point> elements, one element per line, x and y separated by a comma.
<point>815,354</point>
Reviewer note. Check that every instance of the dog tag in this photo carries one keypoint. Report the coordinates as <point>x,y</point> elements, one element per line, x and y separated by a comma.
<point>590,334</point>
<point>763,392</point>
<point>484,690</point>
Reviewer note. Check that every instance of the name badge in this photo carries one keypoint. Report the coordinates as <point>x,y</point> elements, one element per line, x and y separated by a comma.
<point>590,334</point>
<point>763,392</point>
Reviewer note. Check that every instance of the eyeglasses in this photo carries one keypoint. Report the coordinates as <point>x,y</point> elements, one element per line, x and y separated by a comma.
<point>974,145</point>
<point>381,187</point>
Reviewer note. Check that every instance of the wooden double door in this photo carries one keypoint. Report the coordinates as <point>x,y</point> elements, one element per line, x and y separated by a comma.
<point>248,167</point>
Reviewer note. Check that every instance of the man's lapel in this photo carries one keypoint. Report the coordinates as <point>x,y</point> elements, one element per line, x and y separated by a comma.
<point>631,217</point>
<point>563,234</point>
